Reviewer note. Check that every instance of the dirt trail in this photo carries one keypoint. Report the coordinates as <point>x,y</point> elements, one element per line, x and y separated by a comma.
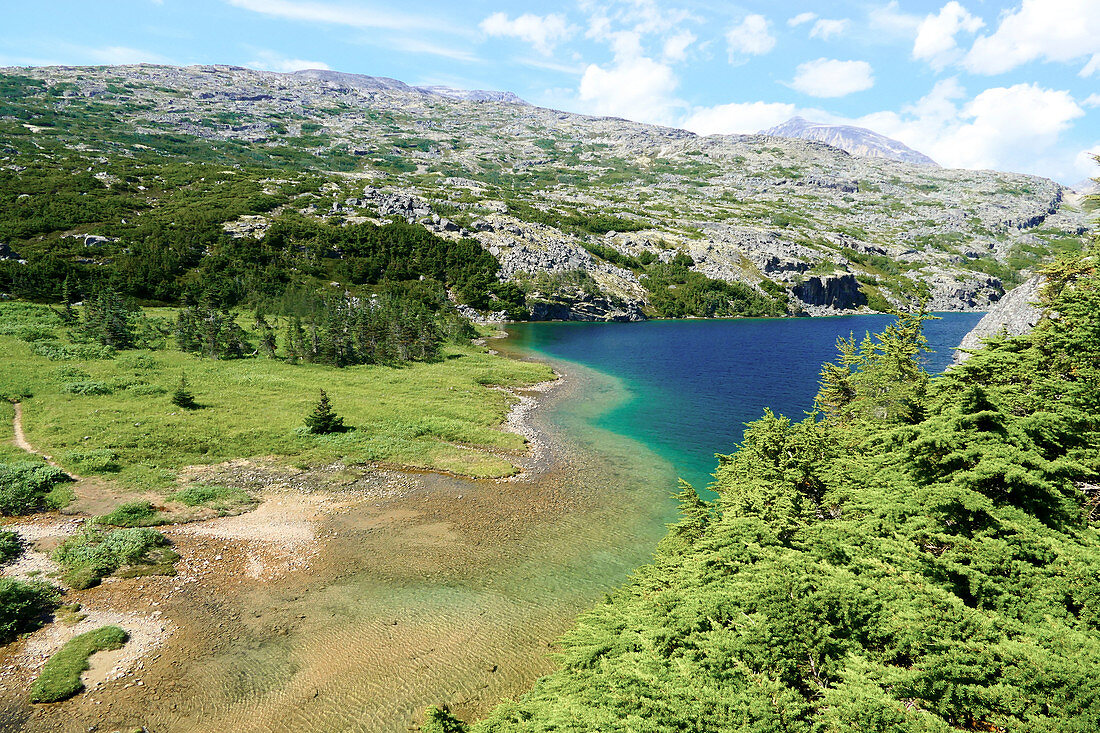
<point>21,438</point>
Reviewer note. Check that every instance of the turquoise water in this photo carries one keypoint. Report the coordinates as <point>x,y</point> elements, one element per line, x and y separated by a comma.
<point>691,385</point>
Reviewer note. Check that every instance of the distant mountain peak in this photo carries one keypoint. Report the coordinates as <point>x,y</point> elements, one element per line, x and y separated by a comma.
<point>855,140</point>
<point>362,81</point>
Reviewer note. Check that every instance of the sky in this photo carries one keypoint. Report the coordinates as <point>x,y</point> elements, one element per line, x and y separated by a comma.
<point>972,83</point>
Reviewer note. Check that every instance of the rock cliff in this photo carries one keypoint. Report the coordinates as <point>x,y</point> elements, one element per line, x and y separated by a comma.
<point>1014,314</point>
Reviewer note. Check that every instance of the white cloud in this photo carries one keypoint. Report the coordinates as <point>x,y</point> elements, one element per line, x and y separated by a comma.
<point>827,28</point>
<point>737,117</point>
<point>272,61</point>
<point>676,46</point>
<point>800,19</point>
<point>1039,30</point>
<point>634,87</point>
<point>1091,67</point>
<point>356,16</point>
<point>750,37</point>
<point>1005,128</point>
<point>550,65</point>
<point>1092,100</point>
<point>541,31</point>
<point>419,45</point>
<point>935,42</point>
<point>832,78</point>
<point>889,20</point>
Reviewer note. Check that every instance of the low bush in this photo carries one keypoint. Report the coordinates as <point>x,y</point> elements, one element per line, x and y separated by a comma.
<point>101,460</point>
<point>87,388</point>
<point>92,554</point>
<point>22,605</point>
<point>26,487</point>
<point>133,514</point>
<point>219,498</point>
<point>70,352</point>
<point>60,678</point>
<point>11,546</point>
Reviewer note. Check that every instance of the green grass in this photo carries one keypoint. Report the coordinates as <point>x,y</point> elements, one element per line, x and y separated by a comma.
<point>222,499</point>
<point>60,678</point>
<point>133,514</point>
<point>92,554</point>
<point>424,415</point>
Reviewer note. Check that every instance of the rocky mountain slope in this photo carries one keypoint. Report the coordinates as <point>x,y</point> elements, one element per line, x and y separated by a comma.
<point>579,210</point>
<point>856,140</point>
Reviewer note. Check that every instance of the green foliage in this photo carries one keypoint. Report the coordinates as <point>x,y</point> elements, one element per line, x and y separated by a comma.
<point>60,677</point>
<point>323,420</point>
<point>11,546</point>
<point>73,352</point>
<point>182,397</point>
<point>914,556</point>
<point>22,606</point>
<point>94,460</point>
<point>436,414</point>
<point>93,553</point>
<point>881,379</point>
<point>440,720</point>
<point>110,319</point>
<point>677,292</point>
<point>219,498</point>
<point>87,388</point>
<point>25,487</point>
<point>133,514</point>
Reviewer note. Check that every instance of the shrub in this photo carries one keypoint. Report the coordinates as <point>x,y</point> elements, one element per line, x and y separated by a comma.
<point>98,460</point>
<point>70,352</point>
<point>92,554</point>
<point>11,546</point>
<point>133,514</point>
<point>60,678</point>
<point>22,604</point>
<point>219,498</point>
<point>87,388</point>
<point>24,487</point>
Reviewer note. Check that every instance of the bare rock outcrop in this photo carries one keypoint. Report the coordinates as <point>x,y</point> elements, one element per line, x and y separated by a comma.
<point>1016,313</point>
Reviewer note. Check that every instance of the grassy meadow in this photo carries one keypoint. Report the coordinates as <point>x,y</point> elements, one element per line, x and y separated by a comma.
<point>114,416</point>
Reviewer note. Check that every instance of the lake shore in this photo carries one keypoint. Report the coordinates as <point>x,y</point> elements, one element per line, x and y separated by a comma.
<point>444,525</point>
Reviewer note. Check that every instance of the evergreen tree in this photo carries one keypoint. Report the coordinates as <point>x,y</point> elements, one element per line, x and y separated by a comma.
<point>68,314</point>
<point>323,420</point>
<point>182,396</point>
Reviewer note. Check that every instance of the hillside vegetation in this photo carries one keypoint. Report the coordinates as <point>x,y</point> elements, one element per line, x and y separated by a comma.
<point>919,554</point>
<point>166,182</point>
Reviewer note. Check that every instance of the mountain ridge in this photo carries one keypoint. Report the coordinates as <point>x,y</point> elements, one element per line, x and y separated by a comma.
<point>856,140</point>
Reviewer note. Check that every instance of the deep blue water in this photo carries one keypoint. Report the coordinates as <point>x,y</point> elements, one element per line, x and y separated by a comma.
<point>693,384</point>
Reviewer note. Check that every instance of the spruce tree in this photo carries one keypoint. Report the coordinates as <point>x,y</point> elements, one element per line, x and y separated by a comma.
<point>68,314</point>
<point>323,420</point>
<point>182,396</point>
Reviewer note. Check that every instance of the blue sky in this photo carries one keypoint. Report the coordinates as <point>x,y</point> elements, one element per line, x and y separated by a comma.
<point>972,83</point>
